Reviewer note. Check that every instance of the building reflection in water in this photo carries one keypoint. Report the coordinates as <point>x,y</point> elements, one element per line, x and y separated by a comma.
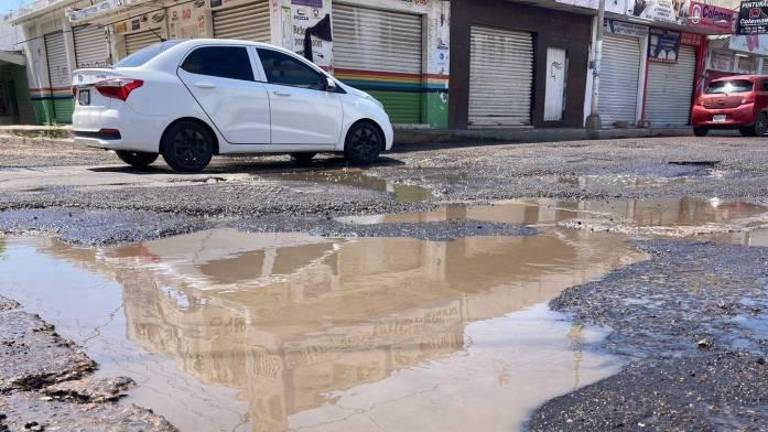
<point>288,319</point>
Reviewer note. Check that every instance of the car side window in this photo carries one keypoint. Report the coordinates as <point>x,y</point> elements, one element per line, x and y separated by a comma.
<point>765,85</point>
<point>220,61</point>
<point>285,70</point>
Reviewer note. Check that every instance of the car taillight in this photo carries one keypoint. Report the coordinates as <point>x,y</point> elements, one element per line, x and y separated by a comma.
<point>118,88</point>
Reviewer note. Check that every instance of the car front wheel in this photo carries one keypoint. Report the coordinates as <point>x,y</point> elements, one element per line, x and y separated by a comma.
<point>188,147</point>
<point>363,144</point>
<point>761,125</point>
<point>136,159</point>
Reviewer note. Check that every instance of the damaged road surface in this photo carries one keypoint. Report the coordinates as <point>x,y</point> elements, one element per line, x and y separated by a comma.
<point>586,286</point>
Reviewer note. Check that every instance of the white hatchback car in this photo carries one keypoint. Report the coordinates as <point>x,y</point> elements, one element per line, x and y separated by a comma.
<point>192,99</point>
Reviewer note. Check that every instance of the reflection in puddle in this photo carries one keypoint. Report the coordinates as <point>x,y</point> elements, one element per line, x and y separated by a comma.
<point>282,331</point>
<point>680,212</point>
<point>357,178</point>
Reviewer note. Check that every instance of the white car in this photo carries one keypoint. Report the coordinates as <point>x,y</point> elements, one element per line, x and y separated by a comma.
<point>191,99</point>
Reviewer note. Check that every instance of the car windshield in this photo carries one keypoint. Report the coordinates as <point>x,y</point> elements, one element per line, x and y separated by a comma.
<point>731,86</point>
<point>146,54</point>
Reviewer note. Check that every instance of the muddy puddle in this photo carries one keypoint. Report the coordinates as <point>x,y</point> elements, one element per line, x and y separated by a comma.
<point>678,217</point>
<point>232,331</point>
<point>404,193</point>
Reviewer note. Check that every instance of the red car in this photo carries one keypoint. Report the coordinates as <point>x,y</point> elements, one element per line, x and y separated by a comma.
<point>735,102</point>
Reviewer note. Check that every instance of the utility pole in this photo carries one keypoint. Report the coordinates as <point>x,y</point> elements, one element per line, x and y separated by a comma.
<point>593,121</point>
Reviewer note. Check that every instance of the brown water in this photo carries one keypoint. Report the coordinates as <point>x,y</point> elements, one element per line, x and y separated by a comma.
<point>226,330</point>
<point>233,331</point>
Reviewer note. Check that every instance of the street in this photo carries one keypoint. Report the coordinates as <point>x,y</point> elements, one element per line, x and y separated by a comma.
<point>581,286</point>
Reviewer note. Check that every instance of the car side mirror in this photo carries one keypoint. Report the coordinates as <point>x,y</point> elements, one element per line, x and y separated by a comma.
<point>330,84</point>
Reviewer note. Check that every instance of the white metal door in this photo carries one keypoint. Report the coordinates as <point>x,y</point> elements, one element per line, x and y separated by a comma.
<point>670,90</point>
<point>91,46</point>
<point>139,40</point>
<point>56,55</point>
<point>370,44</point>
<point>554,94</point>
<point>248,22</point>
<point>500,77</point>
<point>619,80</point>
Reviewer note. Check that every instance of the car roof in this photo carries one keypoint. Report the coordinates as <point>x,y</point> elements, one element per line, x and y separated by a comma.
<point>197,42</point>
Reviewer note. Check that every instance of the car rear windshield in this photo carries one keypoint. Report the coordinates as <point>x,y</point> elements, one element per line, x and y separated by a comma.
<point>146,54</point>
<point>732,86</point>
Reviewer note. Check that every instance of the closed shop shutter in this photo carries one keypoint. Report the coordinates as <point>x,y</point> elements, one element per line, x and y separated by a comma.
<point>381,52</point>
<point>670,90</point>
<point>500,78</point>
<point>248,22</point>
<point>60,77</point>
<point>764,69</point>
<point>619,77</point>
<point>91,46</point>
<point>139,40</point>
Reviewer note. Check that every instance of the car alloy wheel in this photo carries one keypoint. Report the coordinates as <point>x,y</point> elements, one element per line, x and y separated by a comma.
<point>363,144</point>
<point>188,147</point>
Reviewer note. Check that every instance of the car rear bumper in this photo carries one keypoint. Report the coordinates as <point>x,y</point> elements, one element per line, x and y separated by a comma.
<point>128,130</point>
<point>743,115</point>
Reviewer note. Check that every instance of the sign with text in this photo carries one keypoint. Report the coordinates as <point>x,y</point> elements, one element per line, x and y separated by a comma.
<point>626,29</point>
<point>711,18</point>
<point>663,45</point>
<point>753,18</point>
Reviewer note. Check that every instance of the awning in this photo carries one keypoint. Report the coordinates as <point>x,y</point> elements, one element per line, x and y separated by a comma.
<point>12,57</point>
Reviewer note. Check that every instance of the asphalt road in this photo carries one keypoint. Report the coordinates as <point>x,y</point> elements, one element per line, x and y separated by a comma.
<point>690,319</point>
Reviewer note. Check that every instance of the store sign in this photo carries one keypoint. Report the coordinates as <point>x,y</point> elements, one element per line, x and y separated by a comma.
<point>658,10</point>
<point>753,44</point>
<point>711,18</point>
<point>664,45</point>
<point>753,18</point>
<point>626,29</point>
<point>615,6</point>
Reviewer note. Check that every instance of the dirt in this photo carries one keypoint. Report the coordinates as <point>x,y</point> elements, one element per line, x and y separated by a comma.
<point>40,387</point>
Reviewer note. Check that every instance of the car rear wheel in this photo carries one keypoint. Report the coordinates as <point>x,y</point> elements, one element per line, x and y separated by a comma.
<point>302,159</point>
<point>136,159</point>
<point>700,131</point>
<point>363,144</point>
<point>761,125</point>
<point>188,147</point>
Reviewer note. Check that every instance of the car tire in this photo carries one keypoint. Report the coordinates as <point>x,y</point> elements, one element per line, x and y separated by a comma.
<point>303,159</point>
<point>700,131</point>
<point>363,144</point>
<point>747,131</point>
<point>761,125</point>
<point>187,146</point>
<point>140,160</point>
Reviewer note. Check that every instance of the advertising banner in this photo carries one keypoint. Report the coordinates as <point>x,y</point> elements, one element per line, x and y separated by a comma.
<point>673,11</point>
<point>753,44</point>
<point>663,45</point>
<point>712,19</point>
<point>753,18</point>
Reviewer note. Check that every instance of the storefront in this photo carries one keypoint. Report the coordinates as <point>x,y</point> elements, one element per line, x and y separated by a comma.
<point>671,77</point>
<point>59,77</point>
<point>398,52</point>
<point>249,20</point>
<point>522,66</point>
<point>622,76</point>
<point>140,32</point>
<point>91,46</point>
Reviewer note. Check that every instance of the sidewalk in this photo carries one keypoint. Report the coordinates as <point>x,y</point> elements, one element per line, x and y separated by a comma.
<point>525,135</point>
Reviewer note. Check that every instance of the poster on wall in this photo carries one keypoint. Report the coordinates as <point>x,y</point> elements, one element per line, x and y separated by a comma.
<point>753,18</point>
<point>712,19</point>
<point>300,17</point>
<point>674,11</point>
<point>188,20</point>
<point>663,45</point>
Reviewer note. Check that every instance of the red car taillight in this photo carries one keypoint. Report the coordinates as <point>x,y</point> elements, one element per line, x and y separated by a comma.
<point>118,88</point>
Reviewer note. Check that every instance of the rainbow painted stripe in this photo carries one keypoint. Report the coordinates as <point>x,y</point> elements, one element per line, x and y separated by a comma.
<point>51,93</point>
<point>389,81</point>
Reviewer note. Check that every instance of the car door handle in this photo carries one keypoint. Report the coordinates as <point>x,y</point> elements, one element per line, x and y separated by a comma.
<point>205,85</point>
<point>281,94</point>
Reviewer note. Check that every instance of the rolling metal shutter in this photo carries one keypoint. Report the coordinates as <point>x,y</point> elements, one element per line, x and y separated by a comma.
<point>381,52</point>
<point>91,47</point>
<point>764,69</point>
<point>248,22</point>
<point>500,78</point>
<point>60,77</point>
<point>139,40</point>
<point>619,78</point>
<point>670,89</point>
